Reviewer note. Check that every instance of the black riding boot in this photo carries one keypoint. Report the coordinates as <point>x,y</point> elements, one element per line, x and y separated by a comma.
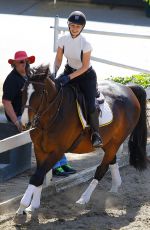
<point>94,124</point>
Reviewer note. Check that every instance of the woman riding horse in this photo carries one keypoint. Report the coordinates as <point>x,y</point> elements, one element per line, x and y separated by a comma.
<point>78,70</point>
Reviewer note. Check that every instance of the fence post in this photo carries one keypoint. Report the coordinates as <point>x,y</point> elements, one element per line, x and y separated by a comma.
<point>56,32</point>
<point>15,151</point>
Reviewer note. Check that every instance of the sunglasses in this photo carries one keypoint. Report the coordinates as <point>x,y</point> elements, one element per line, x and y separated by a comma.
<point>22,61</point>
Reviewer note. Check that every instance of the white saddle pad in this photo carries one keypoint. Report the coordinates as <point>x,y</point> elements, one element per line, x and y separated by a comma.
<point>105,117</point>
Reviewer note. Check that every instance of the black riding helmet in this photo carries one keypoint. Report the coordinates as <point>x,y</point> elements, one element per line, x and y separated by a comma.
<point>77,17</point>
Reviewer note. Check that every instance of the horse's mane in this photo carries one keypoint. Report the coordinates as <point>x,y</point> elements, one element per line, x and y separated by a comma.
<point>39,73</point>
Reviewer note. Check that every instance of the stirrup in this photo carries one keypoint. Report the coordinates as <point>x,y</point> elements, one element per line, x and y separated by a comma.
<point>96,140</point>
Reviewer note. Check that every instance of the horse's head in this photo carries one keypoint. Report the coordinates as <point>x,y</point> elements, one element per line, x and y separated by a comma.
<point>38,90</point>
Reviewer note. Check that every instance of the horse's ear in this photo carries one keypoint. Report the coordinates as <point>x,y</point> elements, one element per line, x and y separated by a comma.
<point>47,80</point>
<point>47,72</point>
<point>50,87</point>
<point>30,73</point>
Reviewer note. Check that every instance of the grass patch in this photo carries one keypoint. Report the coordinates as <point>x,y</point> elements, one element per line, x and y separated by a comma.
<point>140,79</point>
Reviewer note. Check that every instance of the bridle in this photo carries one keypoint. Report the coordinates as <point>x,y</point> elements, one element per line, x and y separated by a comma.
<point>35,123</point>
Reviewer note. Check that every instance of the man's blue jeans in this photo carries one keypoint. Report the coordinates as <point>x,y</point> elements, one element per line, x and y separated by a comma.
<point>63,161</point>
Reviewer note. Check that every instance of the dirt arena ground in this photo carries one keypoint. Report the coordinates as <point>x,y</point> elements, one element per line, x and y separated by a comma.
<point>130,209</point>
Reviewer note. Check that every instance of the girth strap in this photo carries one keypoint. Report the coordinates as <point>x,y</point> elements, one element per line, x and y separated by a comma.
<point>76,142</point>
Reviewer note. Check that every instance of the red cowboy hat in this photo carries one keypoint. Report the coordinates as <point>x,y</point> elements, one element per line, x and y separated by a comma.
<point>22,55</point>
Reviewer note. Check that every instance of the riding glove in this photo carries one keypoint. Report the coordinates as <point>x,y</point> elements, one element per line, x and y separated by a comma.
<point>63,80</point>
<point>53,76</point>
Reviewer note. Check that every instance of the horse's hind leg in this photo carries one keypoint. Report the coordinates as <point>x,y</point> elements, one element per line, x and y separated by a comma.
<point>109,158</point>
<point>115,175</point>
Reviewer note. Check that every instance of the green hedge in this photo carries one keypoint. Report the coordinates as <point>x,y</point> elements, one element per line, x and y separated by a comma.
<point>140,79</point>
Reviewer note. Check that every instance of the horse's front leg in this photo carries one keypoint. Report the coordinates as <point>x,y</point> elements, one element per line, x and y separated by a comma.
<point>31,199</point>
<point>109,158</point>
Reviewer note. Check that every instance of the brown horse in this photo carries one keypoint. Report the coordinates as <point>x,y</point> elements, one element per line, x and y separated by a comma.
<point>52,111</point>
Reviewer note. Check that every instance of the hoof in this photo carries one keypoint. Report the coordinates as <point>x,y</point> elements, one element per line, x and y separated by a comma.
<point>20,219</point>
<point>30,209</point>
<point>114,189</point>
<point>81,201</point>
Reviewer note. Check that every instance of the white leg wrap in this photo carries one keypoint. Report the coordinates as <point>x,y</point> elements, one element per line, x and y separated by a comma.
<point>116,178</point>
<point>26,199</point>
<point>84,199</point>
<point>21,209</point>
<point>35,203</point>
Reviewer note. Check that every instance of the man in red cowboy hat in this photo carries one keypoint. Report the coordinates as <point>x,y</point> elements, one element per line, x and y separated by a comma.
<point>14,82</point>
<point>12,99</point>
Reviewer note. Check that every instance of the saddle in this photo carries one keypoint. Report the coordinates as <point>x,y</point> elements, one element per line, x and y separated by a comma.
<point>103,109</point>
<point>105,114</point>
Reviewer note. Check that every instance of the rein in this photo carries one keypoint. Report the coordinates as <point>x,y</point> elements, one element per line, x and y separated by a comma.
<point>38,116</point>
<point>35,123</point>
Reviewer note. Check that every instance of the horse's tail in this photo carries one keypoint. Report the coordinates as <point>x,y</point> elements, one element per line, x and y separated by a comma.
<point>138,138</point>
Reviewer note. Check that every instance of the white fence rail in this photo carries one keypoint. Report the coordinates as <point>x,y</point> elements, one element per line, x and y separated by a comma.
<point>15,141</point>
<point>58,29</point>
<point>19,140</point>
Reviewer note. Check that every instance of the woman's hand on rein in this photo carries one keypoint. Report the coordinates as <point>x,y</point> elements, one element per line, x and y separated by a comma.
<point>62,80</point>
<point>53,76</point>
